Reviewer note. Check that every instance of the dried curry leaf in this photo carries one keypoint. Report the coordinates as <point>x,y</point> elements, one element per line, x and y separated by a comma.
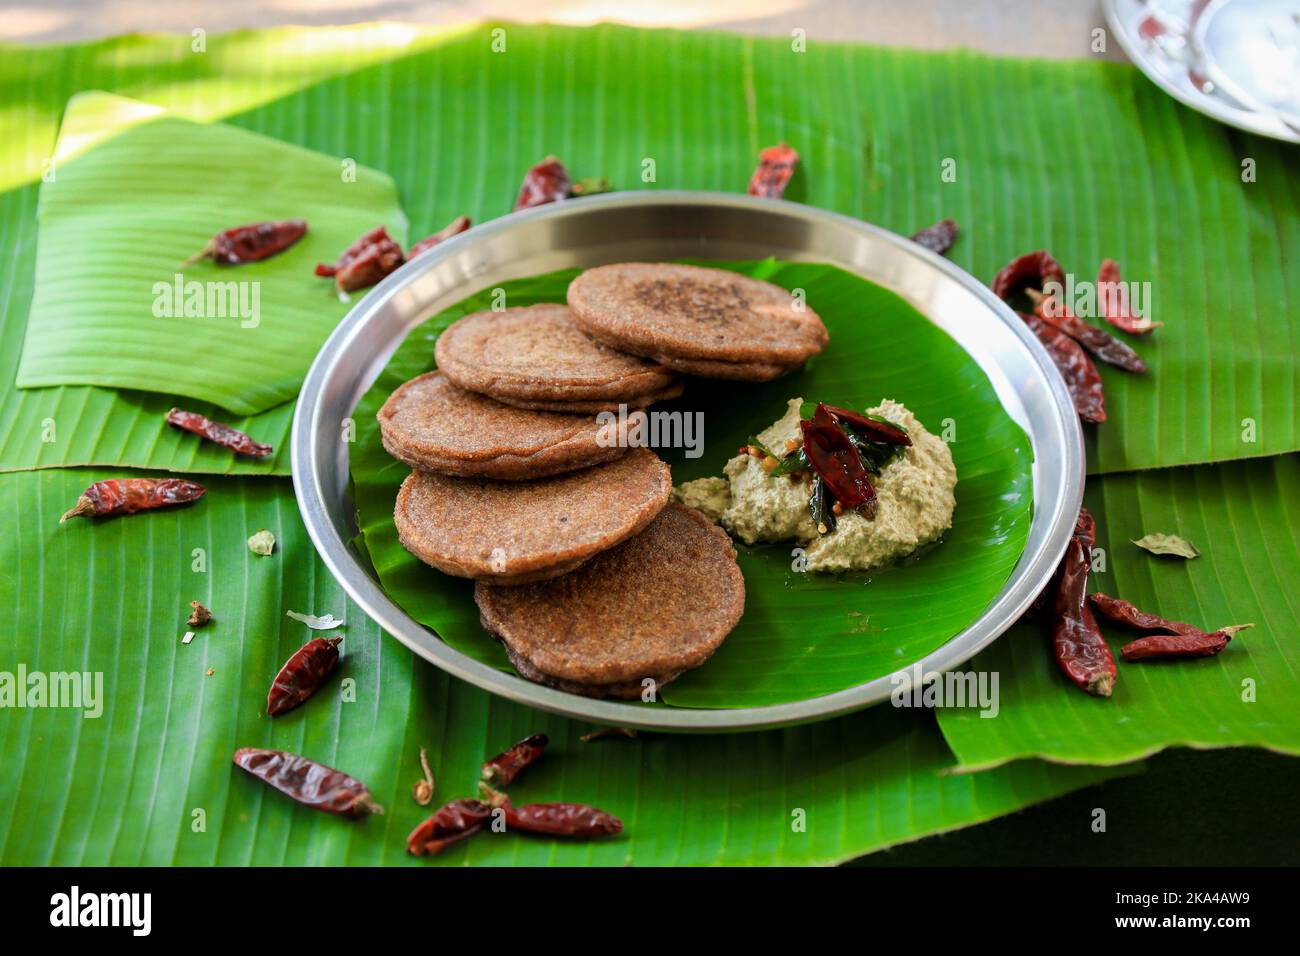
<point>1158,543</point>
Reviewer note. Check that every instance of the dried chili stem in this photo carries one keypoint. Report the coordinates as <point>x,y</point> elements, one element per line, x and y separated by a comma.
<point>422,792</point>
<point>605,732</point>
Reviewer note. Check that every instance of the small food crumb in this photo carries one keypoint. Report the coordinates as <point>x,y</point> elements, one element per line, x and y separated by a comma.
<point>199,615</point>
<point>263,542</point>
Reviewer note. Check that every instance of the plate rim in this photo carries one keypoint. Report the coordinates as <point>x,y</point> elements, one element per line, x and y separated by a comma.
<point>310,472</point>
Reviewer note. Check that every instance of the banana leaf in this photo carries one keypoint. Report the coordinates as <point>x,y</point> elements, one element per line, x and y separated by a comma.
<point>134,191</point>
<point>1244,518</point>
<point>1086,158</point>
<point>802,634</point>
<point>149,781</point>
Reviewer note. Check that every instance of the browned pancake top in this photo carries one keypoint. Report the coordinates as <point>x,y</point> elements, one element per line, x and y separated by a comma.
<point>692,312</point>
<point>538,352</point>
<point>659,603</point>
<point>458,524</point>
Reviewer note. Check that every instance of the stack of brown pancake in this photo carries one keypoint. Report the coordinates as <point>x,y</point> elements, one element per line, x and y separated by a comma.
<point>586,575</point>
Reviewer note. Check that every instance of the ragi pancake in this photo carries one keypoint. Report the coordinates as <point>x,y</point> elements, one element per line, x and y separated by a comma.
<point>701,321</point>
<point>514,532</point>
<point>432,425</point>
<point>537,357</point>
<point>658,604</point>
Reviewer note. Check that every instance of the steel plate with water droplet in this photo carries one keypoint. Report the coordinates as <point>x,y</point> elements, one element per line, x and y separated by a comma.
<point>1237,61</point>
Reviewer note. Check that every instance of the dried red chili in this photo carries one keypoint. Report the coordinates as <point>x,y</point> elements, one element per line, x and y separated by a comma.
<point>546,182</point>
<point>562,819</point>
<point>1097,341</point>
<point>365,262</point>
<point>307,782</point>
<point>1170,638</point>
<point>869,428</point>
<point>502,769</point>
<point>453,228</point>
<point>231,438</point>
<point>1179,645</point>
<point>775,167</point>
<point>1080,374</point>
<point>1085,529</point>
<point>126,496</point>
<point>302,674</point>
<point>251,243</point>
<point>1112,299</point>
<point>833,456</point>
<point>1122,612</point>
<point>453,822</point>
<point>1077,642</point>
<point>939,237</point>
<point>1031,271</point>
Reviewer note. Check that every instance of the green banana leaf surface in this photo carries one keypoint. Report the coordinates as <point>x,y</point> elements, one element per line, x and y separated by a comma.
<point>116,304</point>
<point>145,777</point>
<point>1245,519</point>
<point>1202,214</point>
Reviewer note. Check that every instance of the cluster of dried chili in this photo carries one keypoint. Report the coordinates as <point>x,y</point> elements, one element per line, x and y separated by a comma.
<point>250,243</point>
<point>365,262</point>
<point>461,819</point>
<point>453,228</point>
<point>1064,334</point>
<point>842,447</point>
<point>1169,639</point>
<point>776,165</point>
<point>1077,642</point>
<point>205,427</point>
<point>1081,376</point>
<point>307,782</point>
<point>939,237</point>
<point>126,496</point>
<point>302,674</point>
<point>1097,341</point>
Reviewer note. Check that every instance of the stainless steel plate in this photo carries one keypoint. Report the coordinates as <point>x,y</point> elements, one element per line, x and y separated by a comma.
<point>1237,61</point>
<point>663,226</point>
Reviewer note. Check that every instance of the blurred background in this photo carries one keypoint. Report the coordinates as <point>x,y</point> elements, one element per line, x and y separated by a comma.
<point>1051,28</point>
